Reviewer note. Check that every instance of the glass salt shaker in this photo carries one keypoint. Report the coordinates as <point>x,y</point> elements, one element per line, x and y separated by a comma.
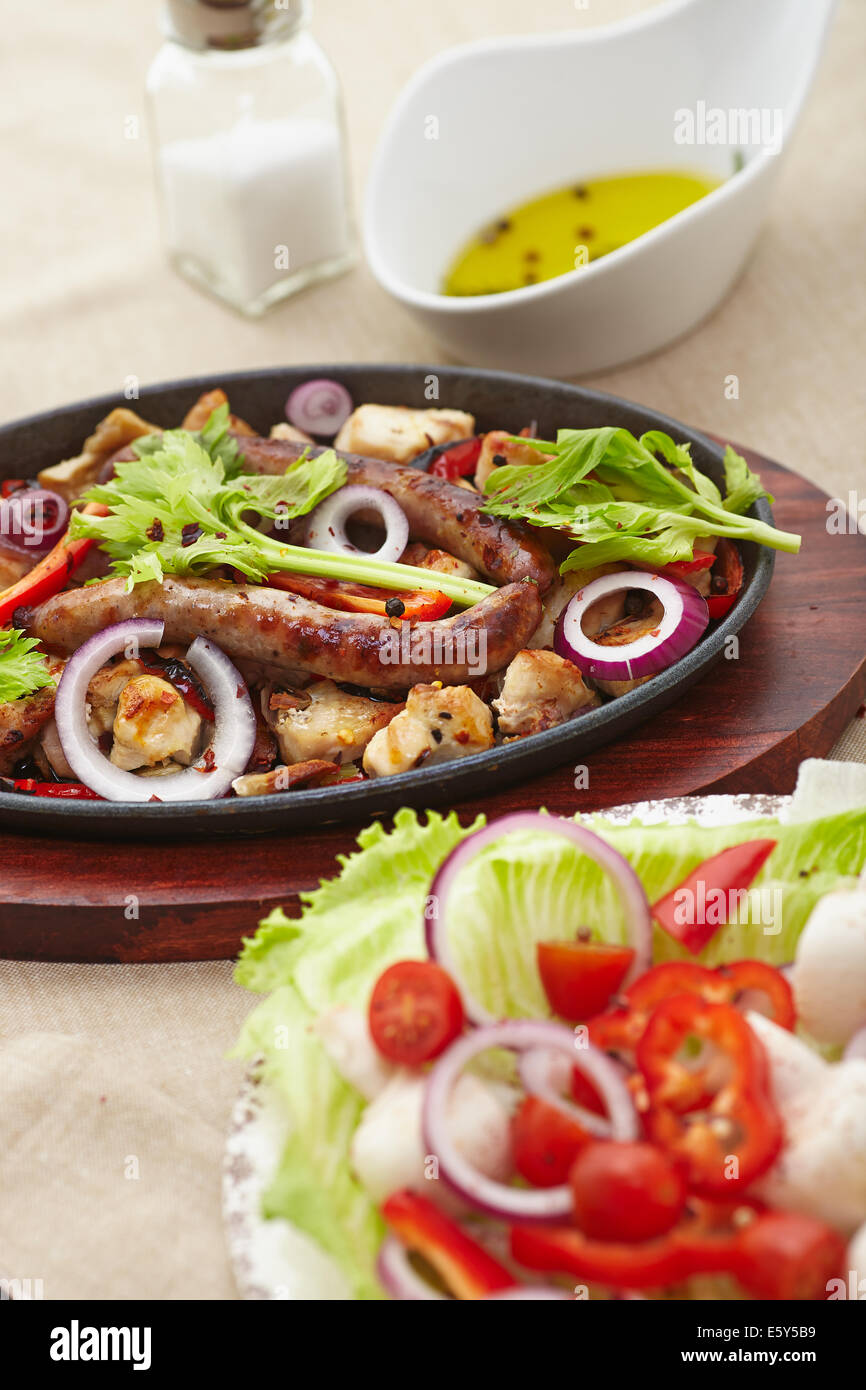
<point>247,122</point>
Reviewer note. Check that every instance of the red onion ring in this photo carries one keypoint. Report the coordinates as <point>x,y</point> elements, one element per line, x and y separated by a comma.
<point>631,893</point>
<point>326,526</point>
<point>397,1275</point>
<point>685,619</point>
<point>213,773</point>
<point>517,1035</point>
<point>319,407</point>
<point>856,1045</point>
<point>23,527</point>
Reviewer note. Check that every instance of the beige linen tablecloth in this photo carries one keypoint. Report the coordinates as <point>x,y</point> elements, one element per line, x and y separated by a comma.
<point>114,1091</point>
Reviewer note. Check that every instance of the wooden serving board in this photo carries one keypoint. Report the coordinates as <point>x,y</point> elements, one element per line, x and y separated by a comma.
<point>798,680</point>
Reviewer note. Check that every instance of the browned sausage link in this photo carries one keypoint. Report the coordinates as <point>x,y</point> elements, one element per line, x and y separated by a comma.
<point>22,720</point>
<point>439,513</point>
<point>288,632</point>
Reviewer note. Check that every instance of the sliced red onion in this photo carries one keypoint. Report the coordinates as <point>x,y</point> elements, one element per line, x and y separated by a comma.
<point>517,1035</point>
<point>319,407</point>
<point>33,520</point>
<point>685,618</point>
<point>548,1076</point>
<point>628,885</point>
<point>856,1045</point>
<point>213,773</point>
<point>326,526</point>
<point>527,1291</point>
<point>399,1277</point>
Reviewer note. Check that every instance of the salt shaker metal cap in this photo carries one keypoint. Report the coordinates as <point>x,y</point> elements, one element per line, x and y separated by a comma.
<point>232,24</point>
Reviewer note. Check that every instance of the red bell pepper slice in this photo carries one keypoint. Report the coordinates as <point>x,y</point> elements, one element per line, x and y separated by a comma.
<point>53,571</point>
<point>418,605</point>
<point>727,984</point>
<point>466,1268</point>
<point>648,1265</point>
<point>457,460</point>
<point>729,567</point>
<point>711,889</point>
<point>579,977</point>
<point>708,1113</point>
<point>701,560</point>
<point>62,791</point>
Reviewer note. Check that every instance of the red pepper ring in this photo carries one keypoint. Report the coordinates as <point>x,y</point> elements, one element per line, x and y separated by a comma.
<point>726,1132</point>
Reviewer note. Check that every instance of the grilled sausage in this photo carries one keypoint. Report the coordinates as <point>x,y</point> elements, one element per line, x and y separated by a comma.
<point>439,513</point>
<point>288,632</point>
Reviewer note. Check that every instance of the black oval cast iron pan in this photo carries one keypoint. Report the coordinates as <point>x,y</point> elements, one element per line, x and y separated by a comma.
<point>498,400</point>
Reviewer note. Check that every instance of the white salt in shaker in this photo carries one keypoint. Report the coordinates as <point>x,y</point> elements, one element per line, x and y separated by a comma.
<point>250,151</point>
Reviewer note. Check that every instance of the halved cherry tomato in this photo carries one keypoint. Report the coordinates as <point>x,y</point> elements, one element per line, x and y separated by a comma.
<point>453,461</point>
<point>580,976</point>
<point>729,567</point>
<point>464,1266</point>
<point>51,574</point>
<point>585,1094</point>
<point>714,1114</point>
<point>650,1265</point>
<point>625,1191</point>
<point>415,1012</point>
<point>546,1142</point>
<point>710,891</point>
<point>418,605</point>
<point>781,1255</point>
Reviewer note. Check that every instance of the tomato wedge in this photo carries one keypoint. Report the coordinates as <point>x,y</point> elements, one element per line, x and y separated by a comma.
<point>415,1012</point>
<point>51,574</point>
<point>626,1191</point>
<point>693,911</point>
<point>580,976</point>
<point>729,570</point>
<point>464,1266</point>
<point>546,1142</point>
<point>418,605</point>
<point>781,1255</point>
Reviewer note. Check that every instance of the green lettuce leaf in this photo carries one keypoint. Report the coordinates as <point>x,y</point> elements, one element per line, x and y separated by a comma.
<point>23,670</point>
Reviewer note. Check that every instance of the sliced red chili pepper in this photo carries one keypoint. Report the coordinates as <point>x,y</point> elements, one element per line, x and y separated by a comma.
<point>728,567</point>
<point>713,1113</point>
<point>650,1264</point>
<point>418,605</point>
<point>53,571</point>
<point>701,560</point>
<point>710,891</point>
<point>63,791</point>
<point>580,976</point>
<point>743,978</point>
<point>464,1266</point>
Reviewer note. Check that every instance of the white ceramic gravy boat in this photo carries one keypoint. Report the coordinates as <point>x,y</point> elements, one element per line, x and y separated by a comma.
<point>488,125</point>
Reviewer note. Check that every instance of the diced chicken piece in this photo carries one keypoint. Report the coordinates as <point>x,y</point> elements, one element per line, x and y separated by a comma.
<point>418,554</point>
<point>540,690</point>
<point>73,476</point>
<point>563,591</point>
<point>198,416</point>
<point>286,431</point>
<point>396,433</point>
<point>346,1036</point>
<point>334,725</point>
<point>153,724</point>
<point>438,724</point>
<point>283,779</point>
<point>14,567</point>
<point>387,1150</point>
<point>499,448</point>
<point>103,694</point>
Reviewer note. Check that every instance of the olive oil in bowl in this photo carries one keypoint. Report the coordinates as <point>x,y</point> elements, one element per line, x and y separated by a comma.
<point>564,230</point>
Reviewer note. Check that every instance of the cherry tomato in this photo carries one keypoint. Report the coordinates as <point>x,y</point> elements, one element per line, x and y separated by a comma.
<point>781,1255</point>
<point>546,1142</point>
<point>580,976</point>
<point>625,1191</point>
<point>415,1012</point>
